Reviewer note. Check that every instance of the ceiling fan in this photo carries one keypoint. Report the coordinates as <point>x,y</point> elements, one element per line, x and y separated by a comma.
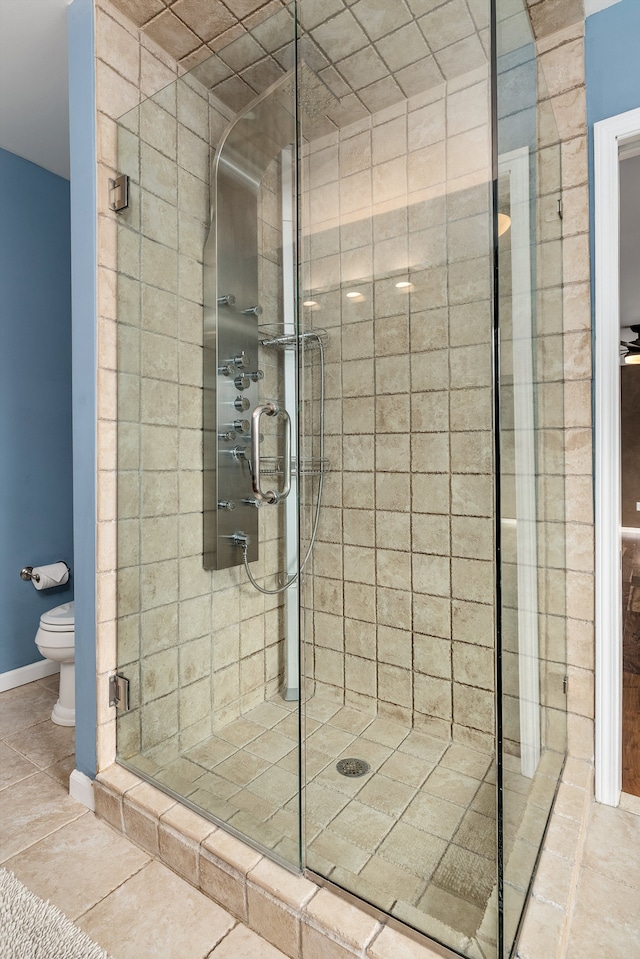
<point>630,344</point>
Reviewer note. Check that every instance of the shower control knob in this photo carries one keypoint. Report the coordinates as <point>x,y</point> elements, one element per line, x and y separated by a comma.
<point>242,382</point>
<point>258,375</point>
<point>224,370</point>
<point>242,404</point>
<point>253,311</point>
<point>242,426</point>
<point>227,300</point>
<point>241,361</point>
<point>226,504</point>
<point>240,453</point>
<point>229,435</point>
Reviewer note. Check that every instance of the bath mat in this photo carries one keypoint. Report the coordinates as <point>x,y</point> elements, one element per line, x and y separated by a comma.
<point>33,929</point>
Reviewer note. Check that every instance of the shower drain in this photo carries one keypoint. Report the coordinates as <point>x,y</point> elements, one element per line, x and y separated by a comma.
<point>352,767</point>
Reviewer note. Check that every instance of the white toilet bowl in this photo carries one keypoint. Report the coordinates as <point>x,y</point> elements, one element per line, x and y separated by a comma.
<point>56,641</point>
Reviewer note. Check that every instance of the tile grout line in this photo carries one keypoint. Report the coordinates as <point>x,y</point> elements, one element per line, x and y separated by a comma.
<point>30,845</point>
<point>136,872</point>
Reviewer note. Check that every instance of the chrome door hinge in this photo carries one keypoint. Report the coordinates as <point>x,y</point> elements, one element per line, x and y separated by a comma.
<point>119,193</point>
<point>119,692</point>
<point>560,209</point>
<point>565,684</point>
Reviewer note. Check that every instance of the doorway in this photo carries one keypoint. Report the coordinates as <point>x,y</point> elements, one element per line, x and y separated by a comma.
<point>617,372</point>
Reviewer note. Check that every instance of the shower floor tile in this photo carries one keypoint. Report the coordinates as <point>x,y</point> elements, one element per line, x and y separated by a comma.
<point>414,835</point>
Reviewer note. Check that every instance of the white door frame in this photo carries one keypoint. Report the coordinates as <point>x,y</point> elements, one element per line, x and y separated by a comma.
<point>609,136</point>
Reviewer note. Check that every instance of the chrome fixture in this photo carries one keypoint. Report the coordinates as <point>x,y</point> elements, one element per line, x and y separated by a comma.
<point>271,496</point>
<point>119,193</point>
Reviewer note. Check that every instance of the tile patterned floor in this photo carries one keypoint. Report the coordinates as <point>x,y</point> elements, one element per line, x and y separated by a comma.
<point>128,902</point>
<point>416,835</point>
<point>48,840</point>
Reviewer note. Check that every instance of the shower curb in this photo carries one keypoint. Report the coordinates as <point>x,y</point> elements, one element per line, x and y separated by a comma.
<point>295,914</point>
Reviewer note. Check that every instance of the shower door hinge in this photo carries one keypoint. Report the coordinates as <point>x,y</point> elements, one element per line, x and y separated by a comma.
<point>565,684</point>
<point>560,209</point>
<point>119,193</point>
<point>119,692</point>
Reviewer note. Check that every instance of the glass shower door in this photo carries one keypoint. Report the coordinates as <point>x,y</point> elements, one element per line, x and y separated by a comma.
<point>207,436</point>
<point>400,643</point>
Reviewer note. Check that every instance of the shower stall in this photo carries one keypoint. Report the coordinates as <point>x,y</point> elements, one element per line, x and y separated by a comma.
<point>341,575</point>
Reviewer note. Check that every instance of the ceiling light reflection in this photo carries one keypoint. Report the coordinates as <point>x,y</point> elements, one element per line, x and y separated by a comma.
<point>504,222</point>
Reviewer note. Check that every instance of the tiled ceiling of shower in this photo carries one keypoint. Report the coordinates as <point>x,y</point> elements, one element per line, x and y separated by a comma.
<point>368,53</point>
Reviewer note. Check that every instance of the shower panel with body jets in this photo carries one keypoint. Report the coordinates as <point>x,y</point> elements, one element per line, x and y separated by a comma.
<point>324,558</point>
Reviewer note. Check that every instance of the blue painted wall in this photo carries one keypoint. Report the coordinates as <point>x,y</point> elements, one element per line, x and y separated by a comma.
<point>612,61</point>
<point>82,130</point>
<point>35,411</point>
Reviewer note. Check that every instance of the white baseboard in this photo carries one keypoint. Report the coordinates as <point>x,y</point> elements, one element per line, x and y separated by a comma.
<point>81,789</point>
<point>27,674</point>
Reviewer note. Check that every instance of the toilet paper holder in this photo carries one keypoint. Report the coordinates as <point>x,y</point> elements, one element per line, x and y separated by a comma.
<point>27,574</point>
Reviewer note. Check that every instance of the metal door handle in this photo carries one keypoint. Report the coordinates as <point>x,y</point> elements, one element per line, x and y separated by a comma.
<point>271,496</point>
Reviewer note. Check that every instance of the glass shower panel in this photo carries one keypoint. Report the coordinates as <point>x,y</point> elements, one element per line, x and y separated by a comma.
<point>396,265</point>
<point>328,424</point>
<point>533,660</point>
<point>211,657</point>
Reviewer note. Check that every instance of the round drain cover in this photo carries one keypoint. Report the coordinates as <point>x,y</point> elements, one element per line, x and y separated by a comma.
<point>352,767</point>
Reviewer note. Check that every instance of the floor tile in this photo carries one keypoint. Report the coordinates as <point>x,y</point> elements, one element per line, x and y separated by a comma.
<point>385,732</point>
<point>241,768</point>
<point>386,795</point>
<point>156,914</point>
<point>267,714</point>
<point>61,771</point>
<point>423,747</point>
<point>242,943</point>
<point>211,752</point>
<point>608,932</point>
<point>45,743</point>
<point>477,833</point>
<point>320,709</point>
<point>13,766</point>
<point>452,786</point>
<point>361,884</point>
<point>351,720</point>
<point>84,861</point>
<point>30,810</point>
<point>466,875</point>
<point>276,785</point>
<point>612,844</point>
<point>330,740</point>
<point>322,803</point>
<point>271,746</point>
<point>337,850</point>
<point>393,879</point>
<point>413,849</point>
<point>363,825</point>
<point>434,815</point>
<point>240,732</point>
<point>466,761</point>
<point>406,769</point>
<point>24,706</point>
<point>455,911</point>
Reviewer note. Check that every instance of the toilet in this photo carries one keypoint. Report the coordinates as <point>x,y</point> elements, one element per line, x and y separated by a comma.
<point>56,641</point>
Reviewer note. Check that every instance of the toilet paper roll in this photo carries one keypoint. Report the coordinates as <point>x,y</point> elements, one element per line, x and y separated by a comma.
<point>44,577</point>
